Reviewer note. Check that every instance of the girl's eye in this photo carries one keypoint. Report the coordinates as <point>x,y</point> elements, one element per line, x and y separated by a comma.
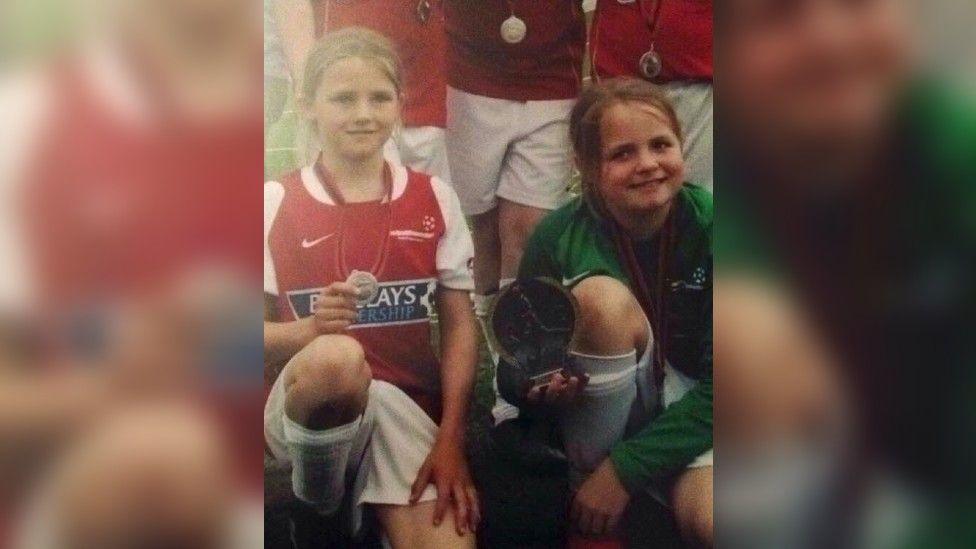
<point>661,144</point>
<point>342,98</point>
<point>381,97</point>
<point>620,154</point>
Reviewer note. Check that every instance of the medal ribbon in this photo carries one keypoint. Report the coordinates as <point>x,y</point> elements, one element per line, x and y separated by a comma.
<point>652,21</point>
<point>654,304</point>
<point>328,182</point>
<point>651,25</point>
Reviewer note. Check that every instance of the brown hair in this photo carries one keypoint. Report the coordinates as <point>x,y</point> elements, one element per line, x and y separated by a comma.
<point>350,42</point>
<point>584,126</point>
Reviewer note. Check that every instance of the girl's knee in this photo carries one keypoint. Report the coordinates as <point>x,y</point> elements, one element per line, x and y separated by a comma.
<point>692,502</point>
<point>611,320</point>
<point>328,384</point>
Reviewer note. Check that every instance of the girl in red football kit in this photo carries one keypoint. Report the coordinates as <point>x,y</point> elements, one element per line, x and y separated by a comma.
<point>357,252</point>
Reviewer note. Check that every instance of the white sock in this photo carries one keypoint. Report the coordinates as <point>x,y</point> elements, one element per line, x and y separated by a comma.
<point>599,417</point>
<point>482,302</point>
<point>319,460</point>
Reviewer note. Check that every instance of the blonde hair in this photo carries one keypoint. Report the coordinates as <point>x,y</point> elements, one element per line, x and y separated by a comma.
<point>584,126</point>
<point>347,43</point>
<point>336,46</point>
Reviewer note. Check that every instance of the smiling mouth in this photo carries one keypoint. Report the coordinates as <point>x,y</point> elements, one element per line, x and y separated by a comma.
<point>648,183</point>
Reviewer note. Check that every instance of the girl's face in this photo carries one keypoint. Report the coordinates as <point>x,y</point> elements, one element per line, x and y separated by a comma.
<point>355,109</point>
<point>641,166</point>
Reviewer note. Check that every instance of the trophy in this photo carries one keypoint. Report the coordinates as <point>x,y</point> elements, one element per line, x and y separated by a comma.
<point>532,326</point>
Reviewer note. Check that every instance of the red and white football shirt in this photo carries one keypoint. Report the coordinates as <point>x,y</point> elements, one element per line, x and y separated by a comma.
<point>423,240</point>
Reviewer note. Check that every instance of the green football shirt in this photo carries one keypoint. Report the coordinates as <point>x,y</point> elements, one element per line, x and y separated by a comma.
<point>571,244</point>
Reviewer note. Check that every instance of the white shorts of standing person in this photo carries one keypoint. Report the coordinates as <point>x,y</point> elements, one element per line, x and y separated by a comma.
<point>510,163</point>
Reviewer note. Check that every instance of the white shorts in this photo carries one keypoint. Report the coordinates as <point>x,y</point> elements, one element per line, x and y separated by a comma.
<point>422,149</point>
<point>693,105</point>
<point>383,449</point>
<point>516,150</point>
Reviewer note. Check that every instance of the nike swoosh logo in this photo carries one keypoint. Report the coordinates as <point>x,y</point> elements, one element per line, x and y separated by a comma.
<point>575,279</point>
<point>306,243</point>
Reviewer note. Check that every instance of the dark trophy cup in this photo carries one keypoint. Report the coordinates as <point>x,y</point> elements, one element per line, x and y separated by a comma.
<point>532,325</point>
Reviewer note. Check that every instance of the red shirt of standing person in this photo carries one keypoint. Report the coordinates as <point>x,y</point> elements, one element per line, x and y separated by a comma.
<point>679,32</point>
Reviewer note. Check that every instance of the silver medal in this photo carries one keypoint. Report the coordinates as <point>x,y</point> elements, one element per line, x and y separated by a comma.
<point>513,30</point>
<point>366,286</point>
<point>650,64</point>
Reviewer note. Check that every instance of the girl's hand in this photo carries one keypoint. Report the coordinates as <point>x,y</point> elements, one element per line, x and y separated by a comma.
<point>447,469</point>
<point>561,391</point>
<point>600,502</point>
<point>335,309</point>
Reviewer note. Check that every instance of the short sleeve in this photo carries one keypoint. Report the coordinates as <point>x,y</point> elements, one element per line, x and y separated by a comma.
<point>25,108</point>
<point>274,193</point>
<point>455,251</point>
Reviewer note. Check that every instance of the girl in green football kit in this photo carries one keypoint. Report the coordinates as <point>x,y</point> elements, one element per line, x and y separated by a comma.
<point>636,251</point>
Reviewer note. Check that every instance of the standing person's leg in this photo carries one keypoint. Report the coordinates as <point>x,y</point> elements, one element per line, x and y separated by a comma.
<point>693,105</point>
<point>535,178</point>
<point>515,224</point>
<point>479,131</point>
<point>487,256</point>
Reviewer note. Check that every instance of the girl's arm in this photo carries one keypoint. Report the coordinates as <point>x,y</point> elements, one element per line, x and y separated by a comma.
<point>446,467</point>
<point>459,355</point>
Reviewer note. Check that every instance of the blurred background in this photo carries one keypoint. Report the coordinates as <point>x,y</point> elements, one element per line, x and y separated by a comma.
<point>845,258</point>
<point>130,309</point>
